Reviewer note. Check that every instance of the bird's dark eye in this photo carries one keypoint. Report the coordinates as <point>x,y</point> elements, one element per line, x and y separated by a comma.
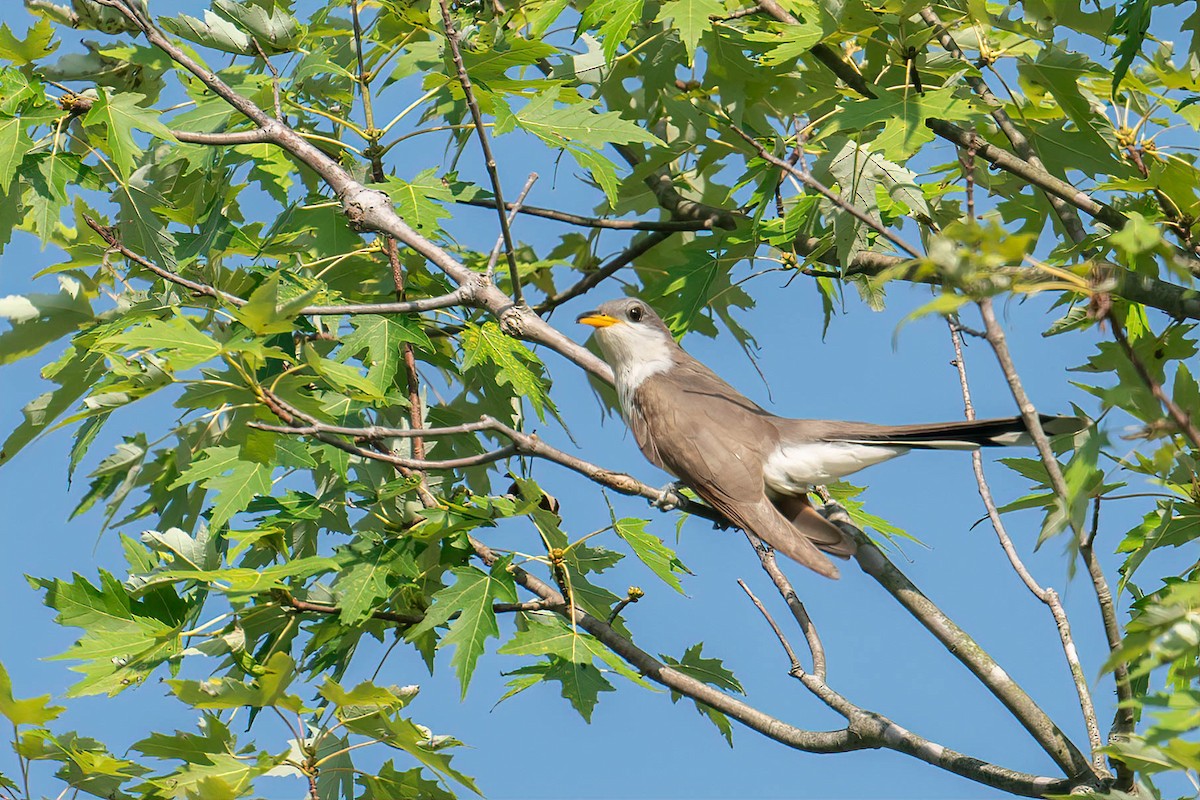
<point>635,313</point>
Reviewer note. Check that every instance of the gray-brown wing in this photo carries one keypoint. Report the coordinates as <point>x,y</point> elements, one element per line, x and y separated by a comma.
<point>694,425</point>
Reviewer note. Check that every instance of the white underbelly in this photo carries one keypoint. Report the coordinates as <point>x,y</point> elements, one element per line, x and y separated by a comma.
<point>796,468</point>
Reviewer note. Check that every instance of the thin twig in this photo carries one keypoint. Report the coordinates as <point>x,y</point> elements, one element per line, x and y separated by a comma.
<point>459,296</point>
<point>770,565</point>
<point>595,278</point>
<point>1040,178</point>
<point>1181,418</point>
<point>274,78</point>
<point>302,424</point>
<point>1044,594</point>
<point>398,617</point>
<point>513,210</point>
<point>489,159</point>
<point>1108,614</point>
<point>598,222</point>
<point>806,178</point>
<point>794,663</point>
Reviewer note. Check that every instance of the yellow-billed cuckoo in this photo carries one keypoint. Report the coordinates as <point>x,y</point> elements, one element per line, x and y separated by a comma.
<point>753,467</point>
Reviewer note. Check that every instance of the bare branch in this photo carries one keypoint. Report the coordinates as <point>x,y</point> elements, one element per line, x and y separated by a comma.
<point>805,177</point>
<point>1023,169</point>
<point>593,279</point>
<point>513,210</point>
<point>795,668</point>
<point>1046,595</point>
<point>823,52</point>
<point>299,423</point>
<point>110,236</point>
<point>397,617</point>
<point>1181,418</point>
<point>974,658</point>
<point>489,159</point>
<point>455,298</point>
<point>770,565</point>
<point>995,337</point>
<point>599,222</point>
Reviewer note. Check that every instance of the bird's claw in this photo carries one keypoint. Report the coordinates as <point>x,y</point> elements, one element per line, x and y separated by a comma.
<point>664,501</point>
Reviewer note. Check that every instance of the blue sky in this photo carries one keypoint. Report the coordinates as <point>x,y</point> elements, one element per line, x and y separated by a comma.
<point>639,744</point>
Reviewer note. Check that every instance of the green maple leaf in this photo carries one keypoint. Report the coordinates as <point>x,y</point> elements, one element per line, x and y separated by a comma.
<point>37,44</point>
<point>123,638</point>
<point>661,559</point>
<point>713,672</point>
<point>14,144</point>
<point>516,365</point>
<point>30,711</point>
<point>540,635</point>
<point>236,482</point>
<point>112,120</point>
<point>368,575</point>
<point>266,312</point>
<point>691,19</point>
<point>902,113</point>
<point>612,20</point>
<point>388,783</point>
<point>383,339</point>
<point>420,200</point>
<point>576,122</point>
<point>266,689</point>
<point>183,343</point>
<point>470,597</point>
<point>343,377</point>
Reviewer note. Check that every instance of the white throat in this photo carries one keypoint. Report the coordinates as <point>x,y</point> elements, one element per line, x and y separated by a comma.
<point>635,353</point>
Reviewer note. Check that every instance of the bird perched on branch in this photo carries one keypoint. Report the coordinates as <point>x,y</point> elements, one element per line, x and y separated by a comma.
<point>752,466</point>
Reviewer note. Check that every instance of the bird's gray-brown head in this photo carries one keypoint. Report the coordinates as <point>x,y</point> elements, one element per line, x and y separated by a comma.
<point>635,341</point>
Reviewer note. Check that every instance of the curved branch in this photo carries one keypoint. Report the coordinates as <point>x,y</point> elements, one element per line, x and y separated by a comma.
<point>864,730</point>
<point>593,279</point>
<point>301,424</point>
<point>1044,594</point>
<point>489,160</point>
<point>1040,178</point>
<point>598,222</point>
<point>455,298</point>
<point>1023,707</point>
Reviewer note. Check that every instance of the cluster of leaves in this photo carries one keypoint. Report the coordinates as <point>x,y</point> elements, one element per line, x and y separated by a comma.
<point>273,556</point>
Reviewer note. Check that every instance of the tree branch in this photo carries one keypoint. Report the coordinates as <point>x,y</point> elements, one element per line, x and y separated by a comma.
<point>301,424</point>
<point>805,177</point>
<point>598,222</point>
<point>1108,614</point>
<point>397,617</point>
<point>592,279</point>
<point>1181,418</point>
<point>974,658</point>
<point>864,731</point>
<point>489,159</point>
<point>1040,178</point>
<point>1044,594</point>
<point>770,565</point>
<point>455,298</point>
